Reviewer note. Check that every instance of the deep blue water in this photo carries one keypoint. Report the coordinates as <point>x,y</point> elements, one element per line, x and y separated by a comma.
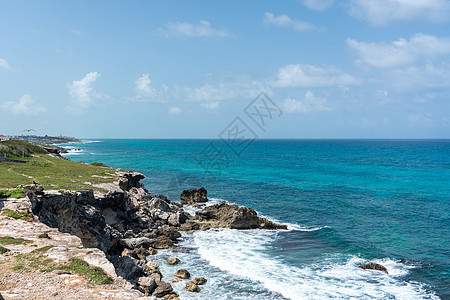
<point>346,201</point>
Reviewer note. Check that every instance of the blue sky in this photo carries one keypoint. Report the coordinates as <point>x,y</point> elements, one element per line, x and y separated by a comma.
<point>186,69</point>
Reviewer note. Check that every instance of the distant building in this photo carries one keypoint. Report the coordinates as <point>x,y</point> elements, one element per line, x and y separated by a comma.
<point>3,138</point>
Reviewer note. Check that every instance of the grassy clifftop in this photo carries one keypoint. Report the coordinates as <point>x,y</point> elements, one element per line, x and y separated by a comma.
<point>51,172</point>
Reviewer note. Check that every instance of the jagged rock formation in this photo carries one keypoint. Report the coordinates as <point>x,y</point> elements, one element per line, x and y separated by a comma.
<point>129,218</point>
<point>233,216</point>
<point>194,196</point>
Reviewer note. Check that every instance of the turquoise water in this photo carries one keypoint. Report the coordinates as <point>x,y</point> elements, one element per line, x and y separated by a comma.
<point>346,202</point>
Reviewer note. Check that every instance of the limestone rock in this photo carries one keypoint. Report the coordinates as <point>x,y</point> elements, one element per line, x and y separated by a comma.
<point>233,216</point>
<point>194,196</point>
<point>147,284</point>
<point>182,273</point>
<point>163,289</point>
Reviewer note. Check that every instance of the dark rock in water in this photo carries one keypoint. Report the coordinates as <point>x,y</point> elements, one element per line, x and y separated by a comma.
<point>182,273</point>
<point>199,280</point>
<point>194,196</point>
<point>192,287</point>
<point>373,266</point>
<point>233,216</point>
<point>173,261</point>
<point>163,288</point>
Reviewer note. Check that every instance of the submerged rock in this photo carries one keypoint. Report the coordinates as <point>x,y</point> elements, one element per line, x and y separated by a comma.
<point>182,273</point>
<point>233,216</point>
<point>192,287</point>
<point>199,280</point>
<point>194,196</point>
<point>173,261</point>
<point>373,266</point>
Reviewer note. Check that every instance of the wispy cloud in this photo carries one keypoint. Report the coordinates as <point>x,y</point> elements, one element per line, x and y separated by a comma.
<point>174,110</point>
<point>317,4</point>
<point>286,22</point>
<point>202,29</point>
<point>210,105</point>
<point>26,105</point>
<point>241,87</point>
<point>401,52</point>
<point>380,12</point>
<point>82,93</point>
<point>310,103</point>
<point>312,76</point>
<point>4,64</point>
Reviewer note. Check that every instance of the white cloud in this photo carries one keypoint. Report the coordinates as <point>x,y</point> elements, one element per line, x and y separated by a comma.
<point>380,12</point>
<point>82,93</point>
<point>26,105</point>
<point>4,64</point>
<point>401,52</point>
<point>238,88</point>
<point>421,120</point>
<point>174,110</point>
<point>285,21</point>
<point>318,4</point>
<point>210,105</point>
<point>312,76</point>
<point>310,103</point>
<point>145,92</point>
<point>143,86</point>
<point>202,29</point>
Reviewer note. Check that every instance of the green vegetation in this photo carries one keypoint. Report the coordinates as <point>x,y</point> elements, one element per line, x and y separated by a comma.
<point>18,149</point>
<point>14,193</point>
<point>94,274</point>
<point>54,173</point>
<point>16,214</point>
<point>43,236</point>
<point>98,164</point>
<point>3,250</point>
<point>9,240</point>
<point>43,249</point>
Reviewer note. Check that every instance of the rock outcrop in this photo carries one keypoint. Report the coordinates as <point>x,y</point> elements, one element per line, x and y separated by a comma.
<point>126,218</point>
<point>182,273</point>
<point>373,266</point>
<point>194,196</point>
<point>233,216</point>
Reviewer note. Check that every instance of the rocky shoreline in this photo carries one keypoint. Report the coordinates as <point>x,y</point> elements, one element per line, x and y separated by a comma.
<point>128,223</point>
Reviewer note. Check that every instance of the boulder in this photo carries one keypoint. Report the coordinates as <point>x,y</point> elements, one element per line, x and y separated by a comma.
<point>182,273</point>
<point>199,280</point>
<point>233,216</point>
<point>176,219</point>
<point>171,296</point>
<point>142,253</point>
<point>163,289</point>
<point>194,196</point>
<point>173,261</point>
<point>151,266</point>
<point>147,284</point>
<point>192,287</point>
<point>373,266</point>
<point>35,188</point>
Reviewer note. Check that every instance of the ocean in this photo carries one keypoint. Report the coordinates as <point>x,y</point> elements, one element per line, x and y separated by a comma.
<point>346,202</point>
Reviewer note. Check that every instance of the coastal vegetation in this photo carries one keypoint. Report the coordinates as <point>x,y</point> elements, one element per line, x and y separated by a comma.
<point>52,172</point>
